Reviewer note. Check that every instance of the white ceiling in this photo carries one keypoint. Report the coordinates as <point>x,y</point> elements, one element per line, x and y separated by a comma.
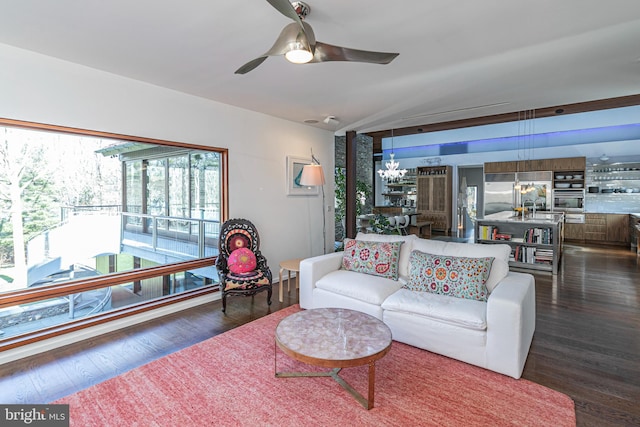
<point>457,60</point>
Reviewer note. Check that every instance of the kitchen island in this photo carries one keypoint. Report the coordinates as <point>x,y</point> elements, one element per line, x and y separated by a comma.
<point>535,240</point>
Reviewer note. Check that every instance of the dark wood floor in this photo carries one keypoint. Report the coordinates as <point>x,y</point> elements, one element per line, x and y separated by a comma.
<point>586,344</point>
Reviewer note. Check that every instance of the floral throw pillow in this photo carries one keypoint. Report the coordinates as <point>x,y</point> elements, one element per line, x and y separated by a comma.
<point>459,277</point>
<point>241,261</point>
<point>376,258</point>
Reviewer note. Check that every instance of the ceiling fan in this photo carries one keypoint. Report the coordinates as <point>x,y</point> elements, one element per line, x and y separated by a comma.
<point>298,43</point>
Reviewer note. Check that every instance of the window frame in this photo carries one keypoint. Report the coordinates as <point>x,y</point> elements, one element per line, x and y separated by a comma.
<point>28,295</point>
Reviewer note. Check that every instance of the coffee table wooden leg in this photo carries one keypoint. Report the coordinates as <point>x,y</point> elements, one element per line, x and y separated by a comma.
<point>372,384</point>
<point>334,373</point>
<point>366,403</point>
<point>280,284</point>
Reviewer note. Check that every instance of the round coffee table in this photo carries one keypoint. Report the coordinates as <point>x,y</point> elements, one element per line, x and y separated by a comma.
<point>334,338</point>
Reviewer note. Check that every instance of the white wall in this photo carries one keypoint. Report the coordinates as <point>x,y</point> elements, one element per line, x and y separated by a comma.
<point>42,89</point>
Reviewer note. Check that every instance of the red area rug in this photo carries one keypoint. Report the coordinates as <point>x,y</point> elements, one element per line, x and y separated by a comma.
<point>228,380</point>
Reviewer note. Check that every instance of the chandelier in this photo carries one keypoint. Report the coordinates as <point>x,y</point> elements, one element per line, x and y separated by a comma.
<point>392,173</point>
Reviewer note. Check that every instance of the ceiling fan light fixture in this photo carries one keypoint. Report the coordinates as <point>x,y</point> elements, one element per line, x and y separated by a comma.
<point>298,53</point>
<point>298,43</point>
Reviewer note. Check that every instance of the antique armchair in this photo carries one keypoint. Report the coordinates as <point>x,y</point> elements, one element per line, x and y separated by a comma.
<point>242,268</point>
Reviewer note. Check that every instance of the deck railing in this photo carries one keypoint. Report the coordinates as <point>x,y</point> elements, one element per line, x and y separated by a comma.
<point>89,231</point>
<point>192,238</point>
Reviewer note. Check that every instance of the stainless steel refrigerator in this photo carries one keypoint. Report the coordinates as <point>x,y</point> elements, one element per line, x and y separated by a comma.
<point>506,191</point>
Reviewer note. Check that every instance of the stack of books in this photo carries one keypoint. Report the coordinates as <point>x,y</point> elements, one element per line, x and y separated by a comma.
<point>491,232</point>
<point>532,255</point>
<point>538,235</point>
<point>544,256</point>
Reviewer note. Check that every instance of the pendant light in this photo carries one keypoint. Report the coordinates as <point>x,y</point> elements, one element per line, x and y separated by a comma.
<point>392,173</point>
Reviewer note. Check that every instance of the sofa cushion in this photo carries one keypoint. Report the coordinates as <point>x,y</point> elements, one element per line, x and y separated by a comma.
<point>405,249</point>
<point>370,289</point>
<point>460,277</point>
<point>501,252</point>
<point>467,313</point>
<point>429,246</point>
<point>376,258</point>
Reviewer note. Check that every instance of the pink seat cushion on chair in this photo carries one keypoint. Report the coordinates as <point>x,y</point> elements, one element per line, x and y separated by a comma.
<point>242,260</point>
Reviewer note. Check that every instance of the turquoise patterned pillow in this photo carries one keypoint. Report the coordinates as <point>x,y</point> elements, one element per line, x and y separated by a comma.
<point>459,277</point>
<point>376,258</point>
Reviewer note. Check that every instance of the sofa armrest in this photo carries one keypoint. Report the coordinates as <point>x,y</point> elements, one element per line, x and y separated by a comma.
<point>312,270</point>
<point>511,320</point>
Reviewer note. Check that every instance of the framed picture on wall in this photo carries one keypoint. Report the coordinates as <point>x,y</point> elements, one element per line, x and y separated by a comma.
<point>294,172</point>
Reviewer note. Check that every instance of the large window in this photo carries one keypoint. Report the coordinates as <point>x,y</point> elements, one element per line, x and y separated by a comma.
<point>205,184</point>
<point>178,186</point>
<point>93,223</point>
<point>133,186</point>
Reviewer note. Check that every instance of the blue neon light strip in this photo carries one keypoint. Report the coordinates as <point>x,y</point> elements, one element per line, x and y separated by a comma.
<point>627,132</point>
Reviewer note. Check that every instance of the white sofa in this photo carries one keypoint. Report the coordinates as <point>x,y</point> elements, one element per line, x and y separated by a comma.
<point>495,334</point>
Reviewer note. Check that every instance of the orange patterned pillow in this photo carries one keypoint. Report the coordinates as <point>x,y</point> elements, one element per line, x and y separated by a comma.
<point>459,277</point>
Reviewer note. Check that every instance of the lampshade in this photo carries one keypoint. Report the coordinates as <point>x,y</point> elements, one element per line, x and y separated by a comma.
<point>312,175</point>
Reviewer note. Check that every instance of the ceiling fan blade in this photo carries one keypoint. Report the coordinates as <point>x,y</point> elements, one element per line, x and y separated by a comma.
<point>292,33</point>
<point>251,65</point>
<point>287,9</point>
<point>280,46</point>
<point>325,52</point>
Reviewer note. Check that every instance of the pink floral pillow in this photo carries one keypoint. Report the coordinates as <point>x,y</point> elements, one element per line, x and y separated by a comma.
<point>459,277</point>
<point>376,258</point>
<point>241,261</point>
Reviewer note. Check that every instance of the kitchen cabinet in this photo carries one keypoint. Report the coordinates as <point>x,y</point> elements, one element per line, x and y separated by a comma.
<point>595,227</point>
<point>535,244</point>
<point>568,164</point>
<point>434,196</point>
<point>618,228</point>
<point>607,228</point>
<point>572,164</point>
<point>500,167</point>
<point>634,231</point>
<point>536,165</point>
<point>574,232</point>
